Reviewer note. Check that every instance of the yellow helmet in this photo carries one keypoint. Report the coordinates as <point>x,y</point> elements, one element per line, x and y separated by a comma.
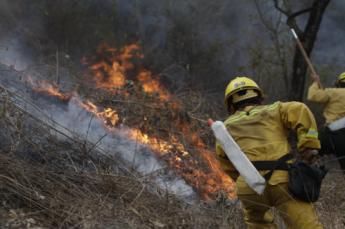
<point>240,84</point>
<point>341,78</point>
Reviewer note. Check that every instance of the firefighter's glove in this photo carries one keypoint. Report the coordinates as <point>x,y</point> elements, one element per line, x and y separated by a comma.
<point>310,156</point>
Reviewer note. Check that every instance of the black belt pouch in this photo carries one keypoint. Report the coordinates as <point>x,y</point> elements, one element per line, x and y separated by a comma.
<point>305,181</point>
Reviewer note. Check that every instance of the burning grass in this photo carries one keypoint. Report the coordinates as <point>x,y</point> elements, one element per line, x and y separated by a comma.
<point>46,182</point>
<point>62,184</point>
<point>158,119</point>
<point>134,97</point>
<point>52,183</point>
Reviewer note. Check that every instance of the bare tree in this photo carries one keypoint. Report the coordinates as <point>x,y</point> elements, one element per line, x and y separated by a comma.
<point>308,37</point>
<point>278,47</point>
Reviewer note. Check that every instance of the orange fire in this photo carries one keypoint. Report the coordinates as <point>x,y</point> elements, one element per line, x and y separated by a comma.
<point>152,86</point>
<point>110,72</point>
<point>41,86</point>
<point>157,145</point>
<point>115,72</point>
<point>178,158</point>
<point>201,170</point>
<point>127,53</point>
<point>207,183</point>
<point>109,116</point>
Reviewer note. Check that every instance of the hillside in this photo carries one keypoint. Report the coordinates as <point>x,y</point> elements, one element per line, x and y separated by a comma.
<point>103,106</point>
<point>54,179</point>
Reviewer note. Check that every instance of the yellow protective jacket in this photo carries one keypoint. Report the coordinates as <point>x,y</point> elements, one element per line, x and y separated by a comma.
<point>333,98</point>
<point>262,132</point>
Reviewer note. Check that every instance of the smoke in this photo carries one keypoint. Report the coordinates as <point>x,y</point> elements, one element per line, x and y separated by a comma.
<point>13,54</point>
<point>198,35</point>
<point>205,38</point>
<point>19,30</point>
<point>210,40</point>
<point>330,45</point>
<point>72,120</point>
<point>200,42</point>
<point>116,144</point>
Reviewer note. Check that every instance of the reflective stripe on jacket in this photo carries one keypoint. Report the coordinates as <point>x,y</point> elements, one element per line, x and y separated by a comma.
<point>333,98</point>
<point>262,132</point>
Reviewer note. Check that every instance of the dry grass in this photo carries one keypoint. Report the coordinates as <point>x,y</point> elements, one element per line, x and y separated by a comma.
<point>49,183</point>
<point>331,205</point>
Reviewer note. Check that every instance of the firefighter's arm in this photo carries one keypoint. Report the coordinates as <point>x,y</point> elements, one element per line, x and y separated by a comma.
<point>317,94</point>
<point>226,163</point>
<point>297,116</point>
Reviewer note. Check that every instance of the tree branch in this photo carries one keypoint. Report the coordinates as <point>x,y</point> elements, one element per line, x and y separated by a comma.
<point>276,5</point>
<point>291,22</point>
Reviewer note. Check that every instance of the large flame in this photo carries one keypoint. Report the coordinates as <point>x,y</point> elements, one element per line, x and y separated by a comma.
<point>206,182</point>
<point>110,71</point>
<point>199,168</point>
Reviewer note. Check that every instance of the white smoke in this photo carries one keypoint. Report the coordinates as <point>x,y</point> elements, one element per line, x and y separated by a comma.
<point>74,121</point>
<point>116,143</point>
<point>11,54</point>
<point>329,49</point>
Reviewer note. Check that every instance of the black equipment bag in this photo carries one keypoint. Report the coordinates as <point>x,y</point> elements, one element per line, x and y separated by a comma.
<point>305,181</point>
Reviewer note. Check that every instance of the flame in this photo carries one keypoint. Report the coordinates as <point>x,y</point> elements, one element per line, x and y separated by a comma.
<point>155,144</point>
<point>48,89</point>
<point>178,158</point>
<point>127,53</point>
<point>196,165</point>
<point>110,72</point>
<point>115,73</point>
<point>109,116</point>
<point>206,182</point>
<point>227,184</point>
<point>151,86</point>
<point>89,106</point>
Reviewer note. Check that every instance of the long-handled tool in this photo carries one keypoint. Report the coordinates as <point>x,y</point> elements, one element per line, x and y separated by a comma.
<point>314,75</point>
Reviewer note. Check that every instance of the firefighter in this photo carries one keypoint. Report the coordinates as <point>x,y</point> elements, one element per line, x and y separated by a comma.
<point>333,135</point>
<point>261,131</point>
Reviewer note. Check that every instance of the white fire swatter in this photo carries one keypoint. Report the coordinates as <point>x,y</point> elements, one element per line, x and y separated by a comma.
<point>337,125</point>
<point>242,164</point>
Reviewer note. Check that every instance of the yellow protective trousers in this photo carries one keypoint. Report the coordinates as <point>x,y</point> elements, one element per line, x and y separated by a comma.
<point>296,214</point>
